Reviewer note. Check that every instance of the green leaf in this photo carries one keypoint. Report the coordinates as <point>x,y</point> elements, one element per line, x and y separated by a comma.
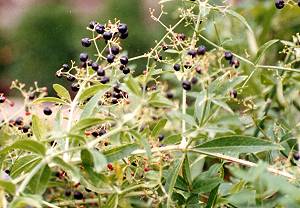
<point>133,85</point>
<point>186,171</point>
<point>91,105</point>
<point>7,186</point>
<point>158,127</point>
<point>24,164</point>
<point>37,127</point>
<point>62,92</point>
<point>112,201</point>
<point>157,100</point>
<point>70,169</point>
<point>171,179</point>
<point>263,49</point>
<point>172,139</point>
<point>27,145</point>
<point>222,105</point>
<point>91,91</point>
<point>119,152</point>
<point>49,100</point>
<point>86,123</point>
<point>39,182</point>
<point>204,184</point>
<point>22,201</point>
<point>94,158</point>
<point>212,197</point>
<point>240,18</point>
<point>237,144</point>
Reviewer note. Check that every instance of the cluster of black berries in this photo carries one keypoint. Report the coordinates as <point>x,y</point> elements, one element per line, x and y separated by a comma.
<point>116,96</point>
<point>98,132</point>
<point>279,4</point>
<point>19,122</point>
<point>233,61</point>
<point>201,50</point>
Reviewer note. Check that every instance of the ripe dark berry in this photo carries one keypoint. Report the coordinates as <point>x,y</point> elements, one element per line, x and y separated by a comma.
<point>124,35</point>
<point>299,3</point>
<point>31,96</point>
<point>192,53</point>
<point>110,58</point>
<point>198,69</point>
<point>126,70</point>
<point>194,80</point>
<point>161,137</point>
<point>70,78</point>
<point>176,67</point>
<point>124,60</point>
<point>279,4</point>
<point>89,62</point>
<point>114,100</point>
<point>235,63</point>
<point>47,111</point>
<point>95,133</point>
<point>75,87</point>
<point>228,55</point>
<point>25,129</point>
<point>169,95</point>
<point>78,195</point>
<point>68,192</point>
<point>104,80</point>
<point>83,57</point>
<point>100,72</point>
<point>233,93</point>
<point>201,50</point>
<point>100,29</point>
<point>7,171</point>
<point>186,85</point>
<point>102,132</point>
<point>85,42</point>
<point>2,99</point>
<point>115,50</point>
<point>92,24</point>
<point>107,35</point>
<point>95,66</point>
<point>122,28</point>
<point>65,66</point>
<point>19,121</point>
<point>296,156</point>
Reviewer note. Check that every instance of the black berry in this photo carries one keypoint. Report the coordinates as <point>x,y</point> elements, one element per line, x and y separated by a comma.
<point>124,35</point>
<point>68,192</point>
<point>78,195</point>
<point>104,80</point>
<point>279,4</point>
<point>235,63</point>
<point>92,24</point>
<point>192,53</point>
<point>95,66</point>
<point>2,99</point>
<point>83,57</point>
<point>233,93</point>
<point>107,35</point>
<point>296,156</point>
<point>201,50</point>
<point>169,95</point>
<point>86,42</point>
<point>122,28</point>
<point>65,66</point>
<point>47,111</point>
<point>198,69</point>
<point>176,67</point>
<point>110,58</point>
<point>115,50</point>
<point>25,129</point>
<point>126,70</point>
<point>75,87</point>
<point>161,137</point>
<point>100,29</point>
<point>194,80</point>
<point>31,96</point>
<point>19,121</point>
<point>70,78</point>
<point>124,60</point>
<point>95,133</point>
<point>114,100</point>
<point>102,132</point>
<point>228,55</point>
<point>101,72</point>
<point>186,85</point>
<point>299,3</point>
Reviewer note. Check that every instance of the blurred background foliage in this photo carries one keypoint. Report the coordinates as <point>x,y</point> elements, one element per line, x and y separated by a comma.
<point>48,33</point>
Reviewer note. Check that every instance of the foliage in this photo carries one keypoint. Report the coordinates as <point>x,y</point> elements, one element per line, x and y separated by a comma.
<point>219,129</point>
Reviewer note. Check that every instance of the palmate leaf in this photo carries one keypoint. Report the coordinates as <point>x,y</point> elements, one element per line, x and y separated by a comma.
<point>237,144</point>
